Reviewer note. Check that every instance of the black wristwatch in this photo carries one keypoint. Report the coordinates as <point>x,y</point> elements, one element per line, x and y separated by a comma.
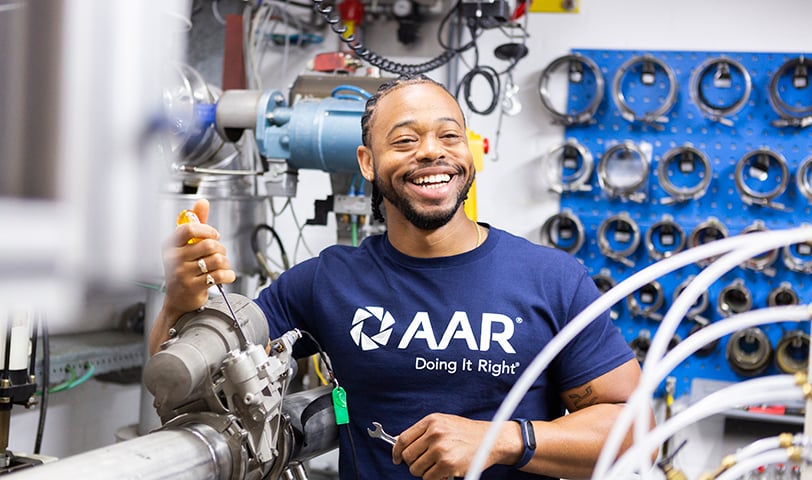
<point>529,440</point>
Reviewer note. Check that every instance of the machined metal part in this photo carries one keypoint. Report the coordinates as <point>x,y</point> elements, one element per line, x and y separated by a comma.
<point>686,157</point>
<point>646,301</point>
<point>803,178</point>
<point>625,231</point>
<point>604,281</point>
<point>798,257</point>
<point>734,298</point>
<point>649,65</point>
<point>628,159</point>
<point>568,155</point>
<point>575,63</point>
<point>749,352</point>
<point>722,79</point>
<point>791,116</point>
<point>758,164</point>
<point>709,347</point>
<point>782,295</point>
<point>641,344</point>
<point>708,231</point>
<point>699,306</point>
<point>764,262</point>
<point>563,231</point>
<point>670,237</point>
<point>792,352</point>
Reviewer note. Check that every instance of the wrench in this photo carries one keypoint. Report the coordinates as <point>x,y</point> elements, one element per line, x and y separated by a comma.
<point>379,433</point>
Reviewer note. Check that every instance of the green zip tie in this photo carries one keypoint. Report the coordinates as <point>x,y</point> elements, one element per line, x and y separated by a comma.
<point>340,406</point>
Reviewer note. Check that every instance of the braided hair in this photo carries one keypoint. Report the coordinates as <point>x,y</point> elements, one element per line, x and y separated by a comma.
<point>369,110</point>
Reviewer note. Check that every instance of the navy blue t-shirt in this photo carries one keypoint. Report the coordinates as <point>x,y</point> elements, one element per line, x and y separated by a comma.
<point>412,336</point>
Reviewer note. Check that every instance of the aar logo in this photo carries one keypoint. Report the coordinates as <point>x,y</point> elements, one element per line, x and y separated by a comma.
<point>371,327</point>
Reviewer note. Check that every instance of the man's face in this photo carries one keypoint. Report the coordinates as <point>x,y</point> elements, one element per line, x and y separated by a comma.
<point>419,153</point>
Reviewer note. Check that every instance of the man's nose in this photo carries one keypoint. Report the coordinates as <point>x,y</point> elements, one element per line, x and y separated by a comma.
<point>430,149</point>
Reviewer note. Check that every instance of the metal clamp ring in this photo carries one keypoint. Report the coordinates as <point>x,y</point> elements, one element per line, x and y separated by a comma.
<point>749,351</point>
<point>699,306</point>
<point>803,261</point>
<point>722,64</point>
<point>790,116</point>
<point>585,116</point>
<point>652,295</point>
<point>709,230</point>
<point>683,155</point>
<point>782,295</point>
<point>626,231</point>
<point>650,64</point>
<point>792,352</point>
<point>765,261</point>
<point>753,197</point>
<point>734,298</point>
<point>626,150</point>
<point>558,158</point>
<point>564,225</point>
<point>670,235</point>
<point>803,178</point>
<point>604,281</point>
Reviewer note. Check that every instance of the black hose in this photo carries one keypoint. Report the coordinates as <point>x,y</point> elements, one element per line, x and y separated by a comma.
<point>46,375</point>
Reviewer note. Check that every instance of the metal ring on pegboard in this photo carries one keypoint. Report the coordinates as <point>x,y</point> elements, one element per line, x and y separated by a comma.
<point>575,63</point>
<point>803,178</point>
<point>563,231</point>
<point>699,306</point>
<point>604,281</point>
<point>624,151</point>
<point>749,351</point>
<point>798,257</point>
<point>791,116</point>
<point>647,77</point>
<point>783,295</point>
<point>708,231</point>
<point>792,352</point>
<point>652,295</point>
<point>734,298</point>
<point>670,235</point>
<point>764,262</point>
<point>626,232</point>
<point>763,158</point>
<point>573,156</point>
<point>722,79</point>
<point>686,156</point>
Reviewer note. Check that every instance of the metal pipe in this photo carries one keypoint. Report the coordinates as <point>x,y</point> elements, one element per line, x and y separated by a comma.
<point>197,452</point>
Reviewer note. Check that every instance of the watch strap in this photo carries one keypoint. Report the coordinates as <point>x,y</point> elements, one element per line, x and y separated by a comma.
<point>529,441</point>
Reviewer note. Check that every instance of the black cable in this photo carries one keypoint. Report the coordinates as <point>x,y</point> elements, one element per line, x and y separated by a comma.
<point>338,27</point>
<point>46,377</point>
<point>493,80</point>
<point>257,250</point>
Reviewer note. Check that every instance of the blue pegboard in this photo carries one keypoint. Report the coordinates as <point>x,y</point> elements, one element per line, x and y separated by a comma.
<point>724,146</point>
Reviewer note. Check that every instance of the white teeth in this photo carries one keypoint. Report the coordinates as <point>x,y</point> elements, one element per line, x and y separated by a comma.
<point>432,180</point>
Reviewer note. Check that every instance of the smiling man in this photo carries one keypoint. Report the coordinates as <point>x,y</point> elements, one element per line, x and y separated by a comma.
<point>429,325</point>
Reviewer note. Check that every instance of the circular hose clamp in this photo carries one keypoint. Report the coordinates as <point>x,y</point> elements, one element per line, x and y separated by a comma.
<point>760,165</point>
<point>646,301</point>
<point>782,295</point>
<point>749,352</point>
<point>708,231</point>
<point>792,352</point>
<point>648,77</point>
<point>722,79</point>
<point>803,178</point>
<point>791,116</point>
<point>664,238</point>
<point>576,63</point>
<point>623,171</point>
<point>734,298</point>
<point>764,262</point>
<point>569,156</point>
<point>798,257</point>
<point>625,238</point>
<point>604,281</point>
<point>563,231</point>
<point>686,158</point>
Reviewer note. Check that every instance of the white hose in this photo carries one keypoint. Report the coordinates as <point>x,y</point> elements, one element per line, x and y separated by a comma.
<point>747,465</point>
<point>755,245</point>
<point>600,305</point>
<point>755,391</point>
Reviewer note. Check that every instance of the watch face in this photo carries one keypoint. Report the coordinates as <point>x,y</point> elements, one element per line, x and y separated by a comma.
<point>531,435</point>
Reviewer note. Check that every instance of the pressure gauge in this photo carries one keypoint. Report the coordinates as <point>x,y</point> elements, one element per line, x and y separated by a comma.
<point>402,8</point>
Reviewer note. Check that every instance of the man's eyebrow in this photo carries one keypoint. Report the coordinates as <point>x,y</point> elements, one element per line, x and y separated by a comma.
<point>406,123</point>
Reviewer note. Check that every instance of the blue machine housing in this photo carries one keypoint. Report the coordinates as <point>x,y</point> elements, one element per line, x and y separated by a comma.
<point>321,134</point>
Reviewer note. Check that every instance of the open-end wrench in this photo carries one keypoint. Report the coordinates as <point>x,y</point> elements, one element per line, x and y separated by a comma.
<point>379,433</point>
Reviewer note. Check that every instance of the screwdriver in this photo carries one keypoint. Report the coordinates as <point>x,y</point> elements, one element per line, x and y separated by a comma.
<point>189,216</point>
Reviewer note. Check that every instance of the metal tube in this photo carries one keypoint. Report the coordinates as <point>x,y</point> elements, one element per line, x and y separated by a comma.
<point>170,455</point>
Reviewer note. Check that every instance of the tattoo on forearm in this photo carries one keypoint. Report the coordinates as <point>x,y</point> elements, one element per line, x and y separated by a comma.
<point>585,399</point>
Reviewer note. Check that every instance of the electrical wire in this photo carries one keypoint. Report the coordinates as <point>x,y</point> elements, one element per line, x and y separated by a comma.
<point>46,377</point>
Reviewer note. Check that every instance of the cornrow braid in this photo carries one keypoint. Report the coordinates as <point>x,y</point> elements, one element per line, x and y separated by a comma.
<point>377,199</point>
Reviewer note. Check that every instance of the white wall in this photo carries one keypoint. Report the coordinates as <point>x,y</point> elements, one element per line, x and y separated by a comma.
<point>509,193</point>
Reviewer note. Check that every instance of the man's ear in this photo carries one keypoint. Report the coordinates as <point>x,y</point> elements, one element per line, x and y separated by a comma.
<point>365,163</point>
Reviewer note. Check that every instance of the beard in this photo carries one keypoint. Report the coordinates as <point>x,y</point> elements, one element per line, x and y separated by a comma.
<point>421,220</point>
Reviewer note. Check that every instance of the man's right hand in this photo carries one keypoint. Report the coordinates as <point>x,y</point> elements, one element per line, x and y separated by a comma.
<point>187,268</point>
